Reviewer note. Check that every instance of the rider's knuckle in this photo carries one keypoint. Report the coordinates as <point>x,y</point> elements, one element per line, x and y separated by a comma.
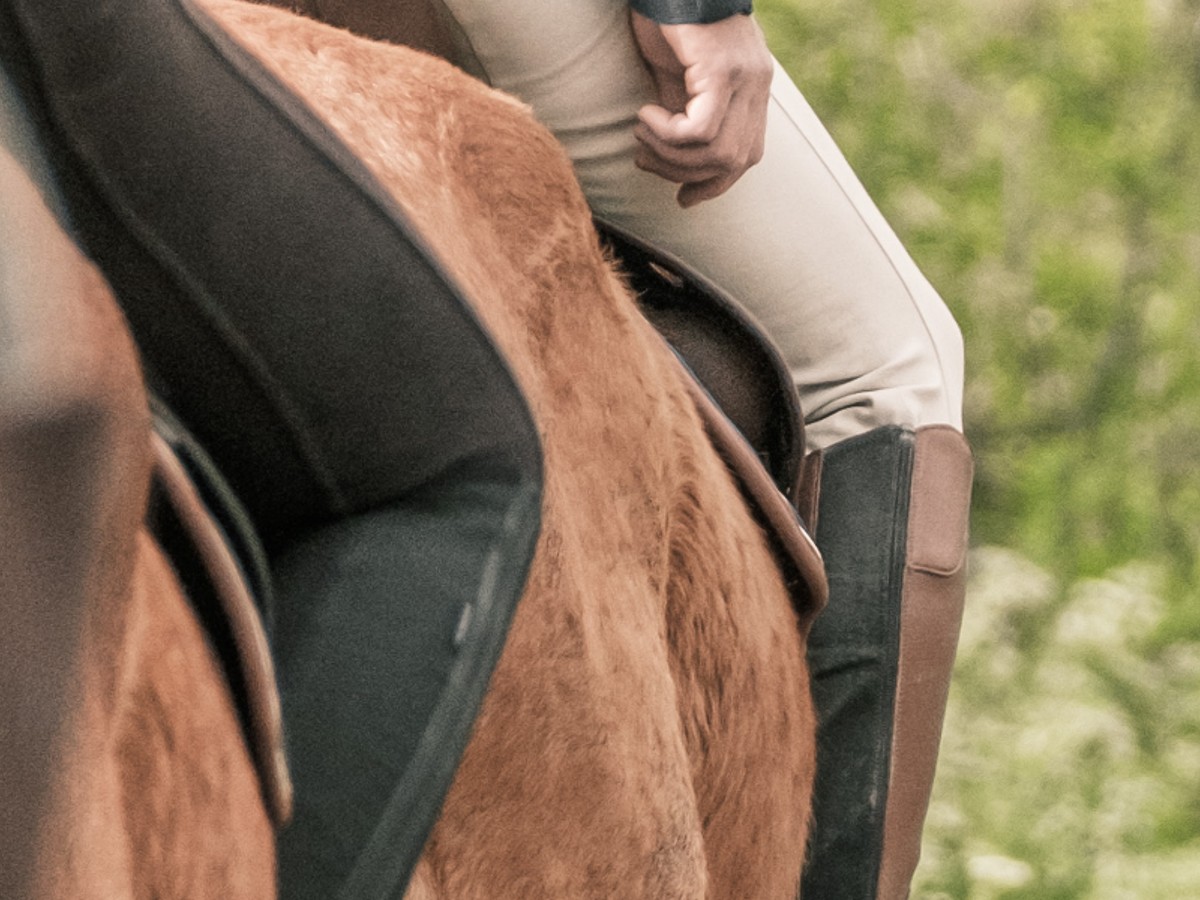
<point>709,131</point>
<point>728,157</point>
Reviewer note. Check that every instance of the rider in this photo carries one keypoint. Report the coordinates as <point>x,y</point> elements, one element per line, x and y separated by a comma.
<point>684,131</point>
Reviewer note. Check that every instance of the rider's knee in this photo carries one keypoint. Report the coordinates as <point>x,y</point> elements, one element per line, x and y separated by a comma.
<point>918,381</point>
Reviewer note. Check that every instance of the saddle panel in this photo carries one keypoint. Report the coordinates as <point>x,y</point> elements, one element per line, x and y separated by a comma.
<point>420,24</point>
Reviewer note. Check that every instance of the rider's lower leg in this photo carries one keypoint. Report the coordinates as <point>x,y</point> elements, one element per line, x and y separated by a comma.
<point>890,514</point>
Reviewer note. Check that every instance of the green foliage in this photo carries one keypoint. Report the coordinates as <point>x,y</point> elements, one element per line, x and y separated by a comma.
<point>1041,161</point>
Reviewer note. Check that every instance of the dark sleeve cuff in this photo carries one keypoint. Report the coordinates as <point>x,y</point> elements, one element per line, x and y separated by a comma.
<point>679,12</point>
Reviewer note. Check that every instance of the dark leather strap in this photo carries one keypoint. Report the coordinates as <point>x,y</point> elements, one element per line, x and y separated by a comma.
<point>801,561</point>
<point>225,604</point>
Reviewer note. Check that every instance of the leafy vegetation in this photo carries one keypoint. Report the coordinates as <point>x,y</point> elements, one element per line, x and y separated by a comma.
<point>1041,160</point>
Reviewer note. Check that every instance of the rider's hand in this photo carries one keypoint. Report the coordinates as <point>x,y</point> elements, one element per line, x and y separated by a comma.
<point>713,85</point>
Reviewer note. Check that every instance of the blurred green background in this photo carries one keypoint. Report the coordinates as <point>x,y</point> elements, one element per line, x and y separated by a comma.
<point>1041,160</point>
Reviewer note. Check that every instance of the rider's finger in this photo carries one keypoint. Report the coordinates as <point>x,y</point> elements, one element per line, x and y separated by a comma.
<point>697,192</point>
<point>727,153</point>
<point>646,159</point>
<point>654,119</point>
<point>701,121</point>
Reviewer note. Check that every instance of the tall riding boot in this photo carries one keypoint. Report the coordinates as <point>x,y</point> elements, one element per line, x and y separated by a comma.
<point>889,512</point>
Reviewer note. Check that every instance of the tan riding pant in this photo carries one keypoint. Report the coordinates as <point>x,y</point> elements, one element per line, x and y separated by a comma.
<point>867,338</point>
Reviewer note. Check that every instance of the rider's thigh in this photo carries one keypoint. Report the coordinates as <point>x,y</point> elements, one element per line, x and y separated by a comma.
<point>868,340</point>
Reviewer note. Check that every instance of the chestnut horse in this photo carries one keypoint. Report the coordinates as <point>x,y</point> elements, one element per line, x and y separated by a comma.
<point>648,730</point>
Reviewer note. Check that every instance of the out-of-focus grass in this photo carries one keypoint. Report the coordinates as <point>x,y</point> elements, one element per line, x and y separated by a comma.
<point>1071,760</point>
<point>1041,161</point>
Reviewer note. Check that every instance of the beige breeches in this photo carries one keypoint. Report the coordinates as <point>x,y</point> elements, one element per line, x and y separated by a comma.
<point>797,240</point>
